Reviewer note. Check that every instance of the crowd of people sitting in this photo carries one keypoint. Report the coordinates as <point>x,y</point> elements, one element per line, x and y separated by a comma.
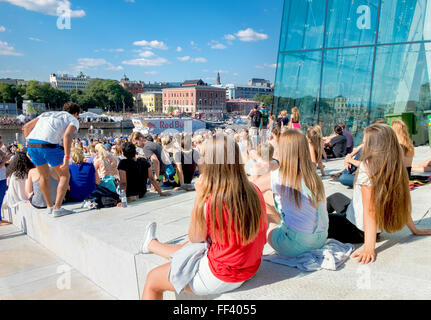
<point>254,187</point>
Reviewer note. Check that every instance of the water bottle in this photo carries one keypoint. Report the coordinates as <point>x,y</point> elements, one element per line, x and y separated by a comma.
<point>123,198</point>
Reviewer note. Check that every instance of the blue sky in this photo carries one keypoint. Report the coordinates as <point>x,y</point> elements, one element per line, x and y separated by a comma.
<point>148,40</point>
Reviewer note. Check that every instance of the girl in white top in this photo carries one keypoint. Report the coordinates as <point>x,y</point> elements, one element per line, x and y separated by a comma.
<point>17,173</point>
<point>381,197</point>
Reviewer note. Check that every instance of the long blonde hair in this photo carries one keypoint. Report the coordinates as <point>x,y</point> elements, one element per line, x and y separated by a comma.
<point>225,184</point>
<point>295,115</point>
<point>101,151</point>
<point>314,134</point>
<point>383,159</point>
<point>403,137</point>
<point>295,166</point>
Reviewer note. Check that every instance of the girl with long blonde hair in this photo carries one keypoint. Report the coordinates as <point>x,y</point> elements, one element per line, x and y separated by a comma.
<point>381,196</point>
<point>294,119</point>
<point>299,220</point>
<point>315,144</point>
<point>229,214</point>
<point>105,163</point>
<point>406,143</point>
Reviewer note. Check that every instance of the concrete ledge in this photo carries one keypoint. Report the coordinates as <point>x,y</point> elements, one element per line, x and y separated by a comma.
<point>104,246</point>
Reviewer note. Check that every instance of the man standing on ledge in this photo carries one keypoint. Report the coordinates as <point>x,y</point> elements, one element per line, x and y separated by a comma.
<point>44,135</point>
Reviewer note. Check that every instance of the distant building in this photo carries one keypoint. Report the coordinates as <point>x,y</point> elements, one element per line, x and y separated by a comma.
<point>218,79</point>
<point>240,106</point>
<point>193,83</point>
<point>151,102</point>
<point>196,97</point>
<point>234,91</point>
<point>8,109</point>
<point>38,107</point>
<point>259,83</point>
<point>134,87</point>
<point>68,83</point>
<point>13,82</point>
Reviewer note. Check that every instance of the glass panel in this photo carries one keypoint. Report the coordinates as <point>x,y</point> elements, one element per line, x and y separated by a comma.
<point>402,82</point>
<point>351,22</point>
<point>303,25</point>
<point>297,83</point>
<point>403,21</point>
<point>346,89</point>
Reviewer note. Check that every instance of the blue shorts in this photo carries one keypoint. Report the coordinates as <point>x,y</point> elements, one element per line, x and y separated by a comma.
<point>290,243</point>
<point>42,156</point>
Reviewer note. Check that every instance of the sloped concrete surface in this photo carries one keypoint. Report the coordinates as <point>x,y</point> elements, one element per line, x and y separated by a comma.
<point>104,246</point>
<point>30,272</point>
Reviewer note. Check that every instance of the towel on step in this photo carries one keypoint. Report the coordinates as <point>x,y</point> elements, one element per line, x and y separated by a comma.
<point>330,257</point>
<point>185,264</point>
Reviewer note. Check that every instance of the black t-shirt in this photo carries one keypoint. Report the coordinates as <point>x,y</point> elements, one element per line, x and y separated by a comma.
<point>256,118</point>
<point>284,121</point>
<point>151,148</point>
<point>137,176</point>
<point>339,144</point>
<point>188,162</point>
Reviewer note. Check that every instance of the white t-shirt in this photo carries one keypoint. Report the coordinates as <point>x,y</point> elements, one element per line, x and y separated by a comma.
<point>355,211</point>
<point>51,127</point>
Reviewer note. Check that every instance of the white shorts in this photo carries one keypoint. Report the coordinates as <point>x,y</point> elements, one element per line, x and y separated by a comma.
<point>205,282</point>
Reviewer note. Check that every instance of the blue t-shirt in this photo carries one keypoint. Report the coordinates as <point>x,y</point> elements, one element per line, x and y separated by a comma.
<point>82,181</point>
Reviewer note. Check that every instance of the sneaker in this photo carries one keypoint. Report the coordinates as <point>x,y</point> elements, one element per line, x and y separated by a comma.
<point>61,212</point>
<point>150,235</point>
<point>49,210</point>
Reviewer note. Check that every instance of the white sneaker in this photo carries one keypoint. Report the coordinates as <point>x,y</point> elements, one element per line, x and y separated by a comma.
<point>49,210</point>
<point>150,235</point>
<point>61,212</point>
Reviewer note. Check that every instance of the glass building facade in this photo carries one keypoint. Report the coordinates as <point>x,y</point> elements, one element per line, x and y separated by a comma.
<point>355,61</point>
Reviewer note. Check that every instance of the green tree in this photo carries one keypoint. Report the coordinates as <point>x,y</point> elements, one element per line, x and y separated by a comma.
<point>8,93</point>
<point>30,109</point>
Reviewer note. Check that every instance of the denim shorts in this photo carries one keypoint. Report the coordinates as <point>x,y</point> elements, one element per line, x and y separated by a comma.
<point>205,282</point>
<point>42,156</point>
<point>290,243</point>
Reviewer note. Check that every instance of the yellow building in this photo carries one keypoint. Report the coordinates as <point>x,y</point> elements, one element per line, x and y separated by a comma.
<point>151,102</point>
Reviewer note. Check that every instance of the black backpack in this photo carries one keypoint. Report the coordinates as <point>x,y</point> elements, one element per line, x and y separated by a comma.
<point>104,197</point>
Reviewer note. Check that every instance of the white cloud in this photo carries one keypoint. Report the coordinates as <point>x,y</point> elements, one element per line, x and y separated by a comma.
<point>146,54</point>
<point>194,45</point>
<point>91,63</point>
<point>111,50</point>
<point>7,50</point>
<point>236,74</point>
<point>195,60</point>
<point>48,7</point>
<point>183,59</point>
<point>2,29</point>
<point>265,65</point>
<point>216,45</point>
<point>229,37</point>
<point>179,49</point>
<point>35,39</point>
<point>151,73</point>
<point>199,60</point>
<point>147,62</point>
<point>249,35</point>
<point>155,44</point>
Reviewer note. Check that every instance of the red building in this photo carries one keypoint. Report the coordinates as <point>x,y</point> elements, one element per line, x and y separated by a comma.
<point>194,98</point>
<point>134,87</point>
